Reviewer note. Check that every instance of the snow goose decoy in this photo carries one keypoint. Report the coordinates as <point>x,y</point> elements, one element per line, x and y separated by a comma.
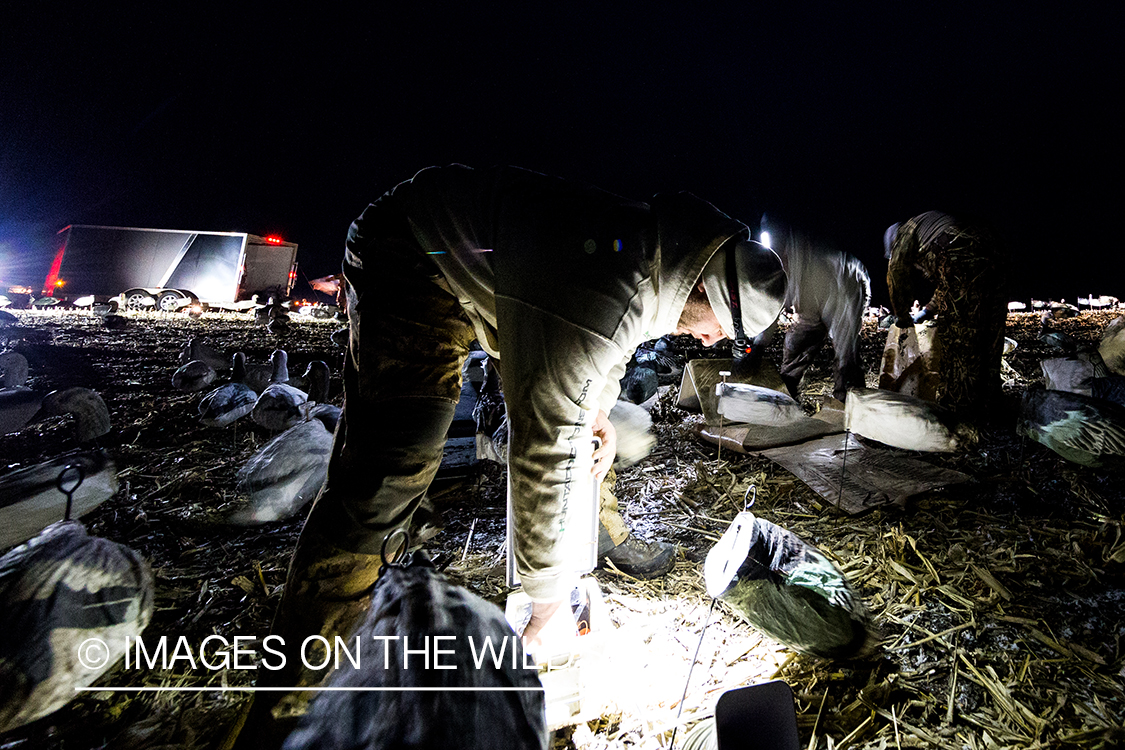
<point>280,405</point>
<point>1082,429</point>
<point>414,598</point>
<point>754,404</point>
<point>288,471</point>
<point>30,499</point>
<point>906,422</point>
<point>259,376</point>
<point>230,401</point>
<point>13,365</point>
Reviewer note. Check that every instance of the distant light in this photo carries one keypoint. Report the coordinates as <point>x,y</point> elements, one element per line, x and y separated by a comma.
<point>59,283</point>
<point>766,239</point>
<point>273,239</point>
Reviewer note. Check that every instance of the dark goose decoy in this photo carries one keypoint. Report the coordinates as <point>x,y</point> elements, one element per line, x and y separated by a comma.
<point>1109,388</point>
<point>20,406</point>
<point>1079,428</point>
<point>314,381</point>
<point>13,370</point>
<point>197,349</point>
<point>194,376</point>
<point>259,376</point>
<point>18,403</point>
<point>69,603</point>
<point>505,708</point>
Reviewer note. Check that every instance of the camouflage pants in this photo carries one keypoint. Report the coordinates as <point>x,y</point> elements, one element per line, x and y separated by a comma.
<point>972,312</point>
<point>409,339</point>
<point>402,378</point>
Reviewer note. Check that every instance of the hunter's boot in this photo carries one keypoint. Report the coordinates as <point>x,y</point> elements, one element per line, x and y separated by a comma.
<point>618,545</point>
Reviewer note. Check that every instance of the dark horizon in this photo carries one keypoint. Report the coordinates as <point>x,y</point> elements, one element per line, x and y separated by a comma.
<point>838,120</point>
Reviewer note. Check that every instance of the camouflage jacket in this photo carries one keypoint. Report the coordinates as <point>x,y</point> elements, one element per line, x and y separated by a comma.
<point>561,282</point>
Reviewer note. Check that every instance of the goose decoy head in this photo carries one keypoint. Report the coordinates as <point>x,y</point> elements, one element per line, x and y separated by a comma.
<point>280,361</point>
<point>316,379</point>
<point>238,367</point>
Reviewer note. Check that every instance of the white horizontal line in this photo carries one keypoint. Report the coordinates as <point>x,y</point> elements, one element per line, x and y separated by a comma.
<point>309,689</point>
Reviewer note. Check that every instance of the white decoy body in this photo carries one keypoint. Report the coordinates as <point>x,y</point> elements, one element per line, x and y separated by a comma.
<point>280,405</point>
<point>30,499</point>
<point>288,471</point>
<point>753,404</point>
<point>634,433</point>
<point>906,422</point>
<point>230,401</point>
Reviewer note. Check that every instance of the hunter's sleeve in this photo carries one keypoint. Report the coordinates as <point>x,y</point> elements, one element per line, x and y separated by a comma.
<point>554,376</point>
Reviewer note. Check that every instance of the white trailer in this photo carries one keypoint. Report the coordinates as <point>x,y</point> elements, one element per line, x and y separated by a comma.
<point>169,269</point>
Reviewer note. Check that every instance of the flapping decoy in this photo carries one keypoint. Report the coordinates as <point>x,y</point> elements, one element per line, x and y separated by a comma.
<point>1082,429</point>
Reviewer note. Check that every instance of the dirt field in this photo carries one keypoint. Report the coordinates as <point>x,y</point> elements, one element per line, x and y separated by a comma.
<point>1000,603</point>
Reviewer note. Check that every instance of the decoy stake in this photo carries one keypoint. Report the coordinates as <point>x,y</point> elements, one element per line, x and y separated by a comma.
<point>71,474</point>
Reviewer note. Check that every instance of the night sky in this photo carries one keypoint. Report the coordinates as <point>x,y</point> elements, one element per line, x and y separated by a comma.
<point>838,119</point>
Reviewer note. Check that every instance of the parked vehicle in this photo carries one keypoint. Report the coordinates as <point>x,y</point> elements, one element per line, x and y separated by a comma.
<point>169,269</point>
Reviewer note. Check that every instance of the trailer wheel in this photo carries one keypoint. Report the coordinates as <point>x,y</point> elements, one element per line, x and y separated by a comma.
<point>137,299</point>
<point>169,300</point>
